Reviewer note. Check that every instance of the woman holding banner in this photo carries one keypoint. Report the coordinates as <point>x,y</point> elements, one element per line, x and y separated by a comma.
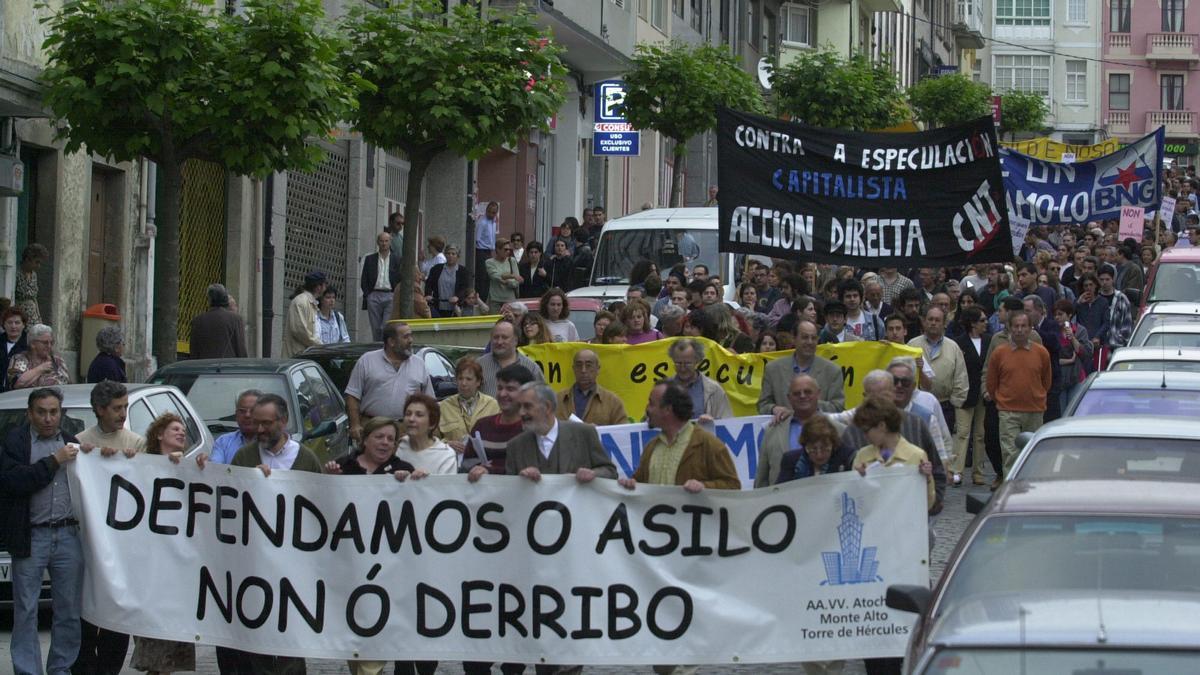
<point>429,455</point>
<point>166,435</point>
<point>378,455</point>
<point>820,452</point>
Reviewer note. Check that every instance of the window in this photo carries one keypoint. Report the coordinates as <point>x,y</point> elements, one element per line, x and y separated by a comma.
<point>797,23</point>
<point>1172,16</point>
<point>1170,88</point>
<point>1021,72</point>
<point>307,411</point>
<point>697,19</point>
<point>723,22</point>
<point>1118,16</point>
<point>1022,12</point>
<point>677,7</point>
<point>1118,91</point>
<point>644,9</point>
<point>770,36</point>
<point>1077,11</point>
<point>755,33</point>
<point>1077,81</point>
<point>657,13</point>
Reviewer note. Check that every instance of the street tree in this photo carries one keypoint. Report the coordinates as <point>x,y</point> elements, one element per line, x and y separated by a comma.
<point>1021,111</point>
<point>823,89</point>
<point>675,89</point>
<point>172,80</point>
<point>432,81</point>
<point>949,100</point>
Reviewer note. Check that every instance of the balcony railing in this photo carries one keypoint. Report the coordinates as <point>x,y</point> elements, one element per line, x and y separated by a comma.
<point>1119,41</point>
<point>1118,121</point>
<point>1172,47</point>
<point>968,24</point>
<point>1176,122</point>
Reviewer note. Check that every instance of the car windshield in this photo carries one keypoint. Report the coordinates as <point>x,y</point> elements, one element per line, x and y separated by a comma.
<point>1149,321</point>
<point>214,396</point>
<point>1176,282</point>
<point>1036,661</point>
<point>619,250</point>
<point>1027,553</point>
<point>1123,458</point>
<point>74,420</point>
<point>1173,366</point>
<point>1169,402</point>
<point>1172,340</point>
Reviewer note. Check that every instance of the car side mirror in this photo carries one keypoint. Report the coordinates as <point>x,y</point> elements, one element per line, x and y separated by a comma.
<point>908,598</point>
<point>975,505</point>
<point>1023,439</point>
<point>325,428</point>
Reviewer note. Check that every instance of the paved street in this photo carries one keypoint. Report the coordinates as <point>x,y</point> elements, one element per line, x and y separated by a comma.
<point>949,527</point>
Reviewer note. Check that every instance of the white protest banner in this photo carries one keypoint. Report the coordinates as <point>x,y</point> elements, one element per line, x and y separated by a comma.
<point>1133,221</point>
<point>339,567</point>
<point>1167,210</point>
<point>742,435</point>
<point>1019,227</point>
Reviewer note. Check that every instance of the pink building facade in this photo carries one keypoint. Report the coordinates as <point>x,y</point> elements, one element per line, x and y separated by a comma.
<point>1152,72</point>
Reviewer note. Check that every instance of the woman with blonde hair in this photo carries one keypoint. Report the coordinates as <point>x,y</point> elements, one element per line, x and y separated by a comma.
<point>461,411</point>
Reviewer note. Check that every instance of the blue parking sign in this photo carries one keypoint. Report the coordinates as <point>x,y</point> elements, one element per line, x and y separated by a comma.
<point>612,135</point>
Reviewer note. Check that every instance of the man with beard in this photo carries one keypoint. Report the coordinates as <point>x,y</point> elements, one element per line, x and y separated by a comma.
<point>382,380</point>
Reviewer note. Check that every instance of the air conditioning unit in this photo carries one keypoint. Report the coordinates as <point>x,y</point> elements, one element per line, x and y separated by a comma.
<point>12,176</point>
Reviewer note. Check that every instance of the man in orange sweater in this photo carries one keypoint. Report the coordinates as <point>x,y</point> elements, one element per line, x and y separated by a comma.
<point>1018,378</point>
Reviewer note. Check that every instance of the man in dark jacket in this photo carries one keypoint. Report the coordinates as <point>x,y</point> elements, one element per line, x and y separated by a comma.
<point>377,282</point>
<point>41,533</point>
<point>219,333</point>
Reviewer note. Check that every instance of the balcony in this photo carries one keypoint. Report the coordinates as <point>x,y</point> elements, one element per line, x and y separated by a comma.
<point>968,24</point>
<point>1176,122</point>
<point>1172,47</point>
<point>1118,44</point>
<point>1118,122</point>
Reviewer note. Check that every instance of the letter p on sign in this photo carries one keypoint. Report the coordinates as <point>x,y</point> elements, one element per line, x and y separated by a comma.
<point>1132,221</point>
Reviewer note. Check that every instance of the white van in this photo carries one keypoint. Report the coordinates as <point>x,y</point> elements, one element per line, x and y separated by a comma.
<point>664,236</point>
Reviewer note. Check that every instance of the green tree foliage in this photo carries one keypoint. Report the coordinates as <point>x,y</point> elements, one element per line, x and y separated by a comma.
<point>949,100</point>
<point>1021,111</point>
<point>173,81</point>
<point>823,89</point>
<point>675,89</point>
<point>431,81</point>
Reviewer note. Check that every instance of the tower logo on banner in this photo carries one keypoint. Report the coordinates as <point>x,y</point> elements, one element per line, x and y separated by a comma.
<point>612,135</point>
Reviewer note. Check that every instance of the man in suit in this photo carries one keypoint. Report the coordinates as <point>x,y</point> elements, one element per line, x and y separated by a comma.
<point>551,446</point>
<point>41,533</point>
<point>219,333</point>
<point>380,275</point>
<point>804,396</point>
<point>778,374</point>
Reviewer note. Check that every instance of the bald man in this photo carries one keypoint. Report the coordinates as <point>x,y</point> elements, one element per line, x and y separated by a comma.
<point>804,398</point>
<point>586,399</point>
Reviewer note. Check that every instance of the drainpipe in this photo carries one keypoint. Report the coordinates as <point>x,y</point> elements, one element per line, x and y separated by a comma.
<point>268,266</point>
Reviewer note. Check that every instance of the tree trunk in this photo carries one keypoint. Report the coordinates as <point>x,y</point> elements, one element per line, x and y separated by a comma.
<point>680,153</point>
<point>166,261</point>
<point>418,166</point>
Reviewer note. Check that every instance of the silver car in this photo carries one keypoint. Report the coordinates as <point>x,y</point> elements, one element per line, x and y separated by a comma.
<point>1112,447</point>
<point>146,402</point>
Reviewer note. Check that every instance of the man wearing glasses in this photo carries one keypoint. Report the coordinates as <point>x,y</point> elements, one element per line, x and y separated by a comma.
<point>709,401</point>
<point>922,404</point>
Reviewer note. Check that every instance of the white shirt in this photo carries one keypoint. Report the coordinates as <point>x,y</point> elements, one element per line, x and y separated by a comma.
<point>428,263</point>
<point>282,459</point>
<point>382,282</point>
<point>438,459</point>
<point>546,443</point>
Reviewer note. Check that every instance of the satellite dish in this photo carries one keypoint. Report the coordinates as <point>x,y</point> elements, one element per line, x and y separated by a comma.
<point>765,69</point>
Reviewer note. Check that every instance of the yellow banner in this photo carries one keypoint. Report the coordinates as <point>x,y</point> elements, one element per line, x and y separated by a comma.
<point>1051,150</point>
<point>630,371</point>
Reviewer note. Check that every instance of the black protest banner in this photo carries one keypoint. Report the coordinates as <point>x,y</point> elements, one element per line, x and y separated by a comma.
<point>925,199</point>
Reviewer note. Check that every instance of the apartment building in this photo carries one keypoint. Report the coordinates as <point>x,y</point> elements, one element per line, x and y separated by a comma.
<point>1149,57</point>
<point>1052,48</point>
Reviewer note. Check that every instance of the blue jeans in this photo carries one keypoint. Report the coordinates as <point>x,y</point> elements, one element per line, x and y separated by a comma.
<point>59,551</point>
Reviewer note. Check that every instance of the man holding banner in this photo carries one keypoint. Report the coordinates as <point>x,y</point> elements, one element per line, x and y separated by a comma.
<point>777,376</point>
<point>804,395</point>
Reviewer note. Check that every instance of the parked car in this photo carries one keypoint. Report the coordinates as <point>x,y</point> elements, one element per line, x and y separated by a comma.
<point>1174,277</point>
<point>338,362</point>
<point>583,313</point>
<point>1108,447</point>
<point>1174,335</point>
<point>1163,313</point>
<point>1065,577</point>
<point>317,412</point>
<point>146,402</point>
<point>1137,392</point>
<point>1183,359</point>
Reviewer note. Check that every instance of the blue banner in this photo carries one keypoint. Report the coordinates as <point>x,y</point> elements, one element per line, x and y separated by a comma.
<point>1052,193</point>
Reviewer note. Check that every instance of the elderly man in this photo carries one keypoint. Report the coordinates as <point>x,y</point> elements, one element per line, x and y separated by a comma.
<point>300,322</point>
<point>880,384</point>
<point>908,397</point>
<point>586,399</point>
<point>378,280</point>
<point>383,379</point>
<point>804,396</point>
<point>227,445</point>
<point>504,353</point>
<point>682,454</point>
<point>219,333</point>
<point>950,383</point>
<point>777,376</point>
<point>41,534</point>
<point>1019,379</point>
<point>709,400</point>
